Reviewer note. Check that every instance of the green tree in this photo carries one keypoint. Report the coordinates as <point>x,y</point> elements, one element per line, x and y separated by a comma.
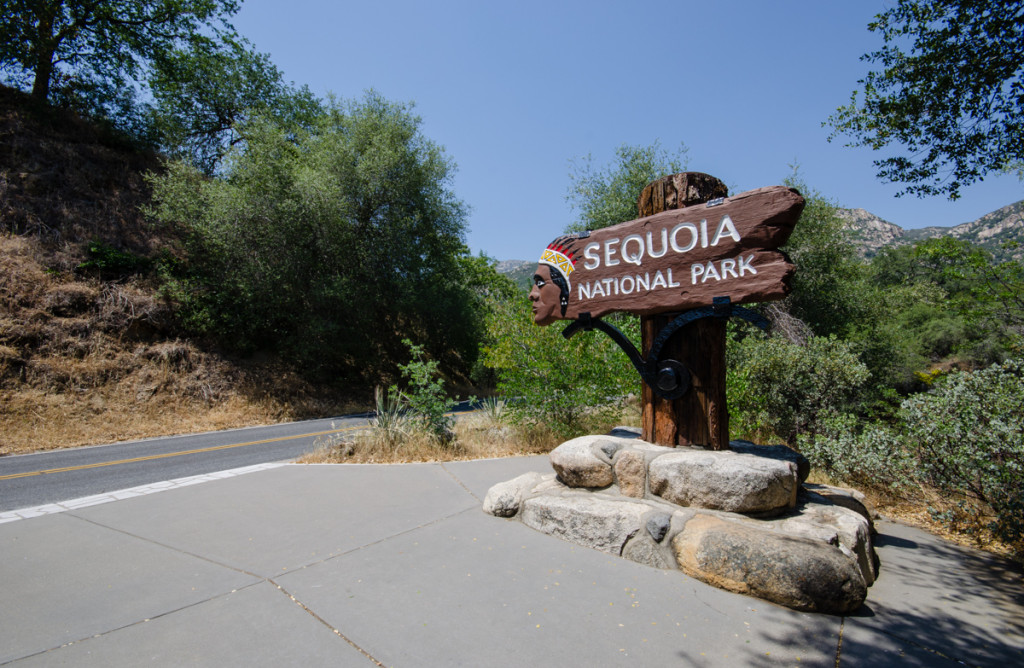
<point>555,382</point>
<point>825,286</point>
<point>949,94</point>
<point>94,53</point>
<point>607,195</point>
<point>205,91</point>
<point>330,245</point>
<point>961,302</point>
<point>990,293</point>
<point>834,293</point>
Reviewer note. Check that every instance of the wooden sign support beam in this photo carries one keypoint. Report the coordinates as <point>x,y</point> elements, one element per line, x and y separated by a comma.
<point>701,416</point>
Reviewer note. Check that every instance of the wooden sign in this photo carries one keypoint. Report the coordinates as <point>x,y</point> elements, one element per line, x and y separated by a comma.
<point>672,261</point>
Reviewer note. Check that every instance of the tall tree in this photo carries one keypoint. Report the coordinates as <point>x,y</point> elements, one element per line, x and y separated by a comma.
<point>607,195</point>
<point>948,97</point>
<point>97,46</point>
<point>204,92</point>
<point>824,294</point>
<point>330,245</point>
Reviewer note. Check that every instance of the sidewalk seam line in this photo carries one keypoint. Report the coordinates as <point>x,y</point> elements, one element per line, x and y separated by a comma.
<point>839,645</point>
<point>165,546</point>
<point>323,621</point>
<point>461,484</point>
<point>375,542</point>
<point>297,568</point>
<point>101,634</point>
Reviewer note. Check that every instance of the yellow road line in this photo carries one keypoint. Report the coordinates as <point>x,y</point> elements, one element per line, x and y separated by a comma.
<point>66,469</point>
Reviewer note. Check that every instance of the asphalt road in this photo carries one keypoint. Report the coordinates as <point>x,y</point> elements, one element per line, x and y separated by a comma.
<point>60,475</point>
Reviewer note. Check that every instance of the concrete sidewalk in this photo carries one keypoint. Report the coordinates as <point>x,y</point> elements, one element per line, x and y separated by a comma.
<point>397,565</point>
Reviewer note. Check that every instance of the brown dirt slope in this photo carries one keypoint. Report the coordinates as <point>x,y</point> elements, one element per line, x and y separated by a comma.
<point>88,359</point>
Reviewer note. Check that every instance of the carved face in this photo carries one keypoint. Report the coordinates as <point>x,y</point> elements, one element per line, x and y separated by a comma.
<point>545,296</point>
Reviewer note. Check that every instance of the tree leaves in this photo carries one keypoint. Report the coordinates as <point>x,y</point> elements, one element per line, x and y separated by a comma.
<point>329,244</point>
<point>948,101</point>
<point>607,196</point>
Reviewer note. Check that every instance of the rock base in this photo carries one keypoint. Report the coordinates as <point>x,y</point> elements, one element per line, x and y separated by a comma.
<point>741,520</point>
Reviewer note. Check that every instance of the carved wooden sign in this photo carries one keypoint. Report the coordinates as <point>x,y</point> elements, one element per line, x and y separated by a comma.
<point>672,261</point>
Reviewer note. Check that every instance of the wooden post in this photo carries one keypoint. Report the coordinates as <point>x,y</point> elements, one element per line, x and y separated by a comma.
<point>700,417</point>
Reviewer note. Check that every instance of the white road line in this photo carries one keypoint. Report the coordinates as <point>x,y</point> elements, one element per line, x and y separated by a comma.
<point>141,490</point>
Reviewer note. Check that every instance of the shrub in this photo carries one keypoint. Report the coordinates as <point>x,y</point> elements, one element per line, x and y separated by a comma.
<point>109,262</point>
<point>390,425</point>
<point>790,389</point>
<point>425,395</point>
<point>560,385</point>
<point>968,438</point>
<point>964,439</point>
<point>872,455</point>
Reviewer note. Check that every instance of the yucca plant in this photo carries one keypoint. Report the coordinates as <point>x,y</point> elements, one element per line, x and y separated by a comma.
<point>392,423</point>
<point>493,409</point>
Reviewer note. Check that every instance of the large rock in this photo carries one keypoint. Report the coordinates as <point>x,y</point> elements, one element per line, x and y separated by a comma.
<point>800,573</point>
<point>724,480</point>
<point>503,499</point>
<point>587,461</point>
<point>739,520</point>
<point>586,519</point>
<point>782,452</point>
<point>838,526</point>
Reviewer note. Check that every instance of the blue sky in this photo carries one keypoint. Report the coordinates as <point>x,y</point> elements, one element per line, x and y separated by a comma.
<point>514,91</point>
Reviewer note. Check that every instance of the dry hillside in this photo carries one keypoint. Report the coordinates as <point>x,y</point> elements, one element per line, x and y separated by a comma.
<point>86,356</point>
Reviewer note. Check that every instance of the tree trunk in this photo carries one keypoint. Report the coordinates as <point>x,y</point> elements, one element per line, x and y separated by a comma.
<point>699,417</point>
<point>41,84</point>
<point>46,47</point>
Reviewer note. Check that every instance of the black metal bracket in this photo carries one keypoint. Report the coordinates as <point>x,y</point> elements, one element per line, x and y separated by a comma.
<point>667,378</point>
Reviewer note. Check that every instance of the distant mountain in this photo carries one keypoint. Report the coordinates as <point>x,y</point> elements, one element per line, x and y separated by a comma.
<point>520,271</point>
<point>991,231</point>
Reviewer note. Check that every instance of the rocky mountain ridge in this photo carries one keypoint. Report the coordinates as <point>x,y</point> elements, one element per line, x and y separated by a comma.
<point>992,231</point>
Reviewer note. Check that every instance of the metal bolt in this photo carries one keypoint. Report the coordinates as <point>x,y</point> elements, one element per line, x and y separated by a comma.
<point>668,379</point>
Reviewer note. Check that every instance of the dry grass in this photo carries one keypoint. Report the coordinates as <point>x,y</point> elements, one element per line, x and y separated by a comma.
<point>478,435</point>
<point>34,420</point>
<point>85,362</point>
<point>914,510</point>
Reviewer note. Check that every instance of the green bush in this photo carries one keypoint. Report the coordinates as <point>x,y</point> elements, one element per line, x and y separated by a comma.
<point>425,395</point>
<point>964,439</point>
<point>551,381</point>
<point>109,262</point>
<point>789,389</point>
<point>968,438</point>
<point>871,455</point>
